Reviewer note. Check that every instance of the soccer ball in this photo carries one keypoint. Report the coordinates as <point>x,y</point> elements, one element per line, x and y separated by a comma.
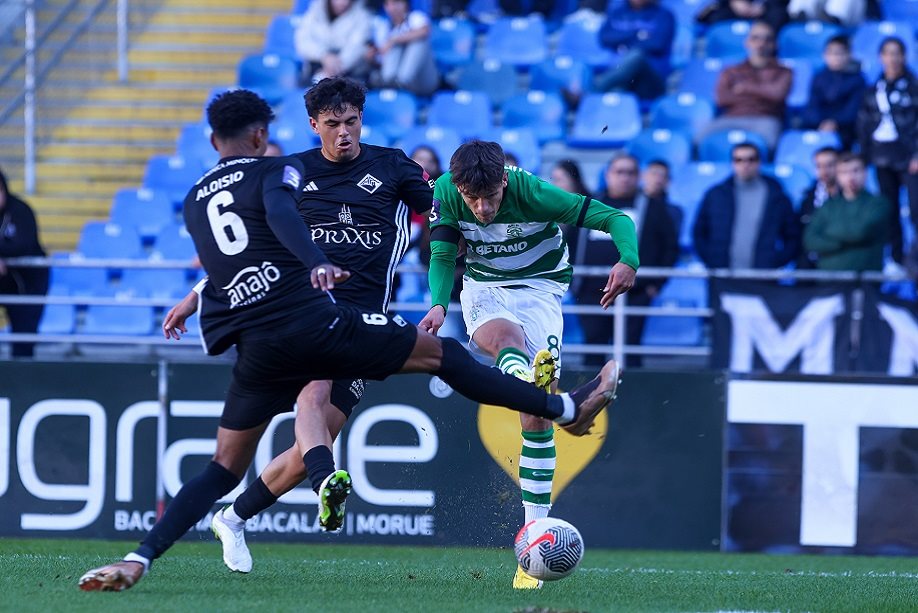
<point>548,548</point>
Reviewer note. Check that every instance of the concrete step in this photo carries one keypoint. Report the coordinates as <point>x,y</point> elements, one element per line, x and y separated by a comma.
<point>95,189</point>
<point>153,93</point>
<point>278,6</point>
<point>106,151</point>
<point>123,133</point>
<point>149,58</point>
<point>194,18</point>
<point>52,170</point>
<point>133,113</point>
<point>201,76</point>
<point>253,40</point>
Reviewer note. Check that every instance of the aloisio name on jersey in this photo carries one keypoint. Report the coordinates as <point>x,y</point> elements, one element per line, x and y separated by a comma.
<point>218,184</point>
<point>251,284</point>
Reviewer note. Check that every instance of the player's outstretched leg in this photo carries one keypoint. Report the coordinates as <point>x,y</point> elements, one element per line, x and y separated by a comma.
<point>230,531</point>
<point>594,396</point>
<point>332,496</point>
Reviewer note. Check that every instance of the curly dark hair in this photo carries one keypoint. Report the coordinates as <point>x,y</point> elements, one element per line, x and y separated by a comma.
<point>477,166</point>
<point>334,95</point>
<point>232,113</point>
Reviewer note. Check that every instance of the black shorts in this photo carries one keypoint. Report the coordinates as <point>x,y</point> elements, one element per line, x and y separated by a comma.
<point>343,344</point>
<point>346,393</point>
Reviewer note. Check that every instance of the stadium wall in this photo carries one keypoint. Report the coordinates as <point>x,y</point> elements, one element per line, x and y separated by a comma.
<point>693,461</point>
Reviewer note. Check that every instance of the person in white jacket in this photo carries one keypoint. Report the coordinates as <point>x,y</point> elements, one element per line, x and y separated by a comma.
<point>332,40</point>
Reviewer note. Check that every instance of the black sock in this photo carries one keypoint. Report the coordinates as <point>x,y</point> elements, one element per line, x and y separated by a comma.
<point>255,499</point>
<point>319,463</point>
<point>189,506</point>
<point>490,386</point>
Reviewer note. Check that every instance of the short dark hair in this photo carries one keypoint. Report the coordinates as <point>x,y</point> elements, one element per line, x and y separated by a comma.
<point>849,156</point>
<point>826,149</point>
<point>895,40</point>
<point>334,95</point>
<point>658,162</point>
<point>232,113</point>
<point>746,145</point>
<point>839,39</point>
<point>477,166</point>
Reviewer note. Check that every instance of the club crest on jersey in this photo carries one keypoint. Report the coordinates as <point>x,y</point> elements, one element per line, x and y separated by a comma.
<point>514,230</point>
<point>344,216</point>
<point>292,177</point>
<point>369,183</point>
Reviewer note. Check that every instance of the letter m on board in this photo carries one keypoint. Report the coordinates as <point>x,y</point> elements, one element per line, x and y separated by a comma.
<point>811,334</point>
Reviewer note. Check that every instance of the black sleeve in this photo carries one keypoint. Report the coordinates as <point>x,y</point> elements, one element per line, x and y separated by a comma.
<point>279,190</point>
<point>415,187</point>
<point>18,229</point>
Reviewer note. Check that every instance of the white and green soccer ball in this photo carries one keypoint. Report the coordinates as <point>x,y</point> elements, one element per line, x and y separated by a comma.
<point>548,548</point>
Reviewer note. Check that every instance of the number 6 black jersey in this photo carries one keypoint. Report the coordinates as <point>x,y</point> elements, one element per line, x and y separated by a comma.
<point>256,287</point>
<point>358,217</point>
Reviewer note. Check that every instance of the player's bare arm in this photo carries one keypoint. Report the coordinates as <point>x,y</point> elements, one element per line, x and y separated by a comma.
<point>174,322</point>
<point>434,319</point>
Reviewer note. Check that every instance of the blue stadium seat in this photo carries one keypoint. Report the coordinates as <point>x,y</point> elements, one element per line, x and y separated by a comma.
<point>684,112</point>
<point>865,43</point>
<point>194,144</point>
<point>700,77</point>
<point>900,10</point>
<point>683,46</point>
<point>173,243</point>
<point>580,40</point>
<point>689,183</point>
<point>300,6</point>
<point>102,239</point>
<point>804,41</point>
<point>684,10</point>
<point>57,319</point>
<point>452,41</point>
<point>166,283</point>
<point>292,135</point>
<point>794,179</point>
<point>279,37</point>
<point>442,140</point>
<point>657,143</point>
<point>725,40</point>
<point>173,174</point>
<point>542,112</point>
<point>491,76</point>
<point>660,330</point>
<point>560,72</point>
<point>716,147</point>
<point>145,210</point>
<point>77,281</point>
<point>605,120</point>
<point>118,320</point>
<point>799,94</point>
<point>271,75</point>
<point>522,143</point>
<point>391,111</point>
<point>796,147</point>
<point>520,41</point>
<point>371,135</point>
<point>468,113</point>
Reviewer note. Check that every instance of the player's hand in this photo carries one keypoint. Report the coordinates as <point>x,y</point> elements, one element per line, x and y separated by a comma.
<point>325,276</point>
<point>434,319</point>
<point>174,321</point>
<point>621,279</point>
<point>913,166</point>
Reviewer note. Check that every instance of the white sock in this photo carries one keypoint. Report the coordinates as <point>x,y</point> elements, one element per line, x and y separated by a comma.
<point>229,515</point>
<point>535,511</point>
<point>133,557</point>
<point>570,410</point>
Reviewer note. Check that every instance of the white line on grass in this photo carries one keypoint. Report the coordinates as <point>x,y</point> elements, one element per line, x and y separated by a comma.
<point>730,572</point>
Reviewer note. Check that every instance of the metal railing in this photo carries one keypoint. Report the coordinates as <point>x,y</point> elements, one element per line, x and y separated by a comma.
<point>619,312</point>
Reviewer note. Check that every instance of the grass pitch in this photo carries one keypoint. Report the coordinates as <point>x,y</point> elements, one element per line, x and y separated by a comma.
<point>41,575</point>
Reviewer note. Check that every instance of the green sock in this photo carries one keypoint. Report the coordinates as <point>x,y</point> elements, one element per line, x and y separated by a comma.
<point>512,361</point>
<point>537,470</point>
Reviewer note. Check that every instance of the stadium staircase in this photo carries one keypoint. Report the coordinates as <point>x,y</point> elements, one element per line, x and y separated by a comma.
<point>95,133</point>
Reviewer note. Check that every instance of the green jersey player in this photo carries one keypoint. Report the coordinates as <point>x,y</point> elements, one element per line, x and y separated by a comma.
<point>517,272</point>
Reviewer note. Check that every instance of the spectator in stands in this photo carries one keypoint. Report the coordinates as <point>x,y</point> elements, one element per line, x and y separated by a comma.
<point>566,175</point>
<point>19,238</point>
<point>655,183</point>
<point>333,40</point>
<point>274,150</point>
<point>824,187</point>
<point>752,95</point>
<point>523,8</point>
<point>772,12</point>
<point>887,130</point>
<point>843,12</point>
<point>850,231</point>
<point>428,159</point>
<point>658,246</point>
<point>641,32</point>
<point>402,43</point>
<point>835,92</point>
<point>746,221</point>
<point>510,159</point>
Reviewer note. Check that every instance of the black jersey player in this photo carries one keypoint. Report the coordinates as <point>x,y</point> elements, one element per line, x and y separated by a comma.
<point>356,199</point>
<point>268,296</point>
